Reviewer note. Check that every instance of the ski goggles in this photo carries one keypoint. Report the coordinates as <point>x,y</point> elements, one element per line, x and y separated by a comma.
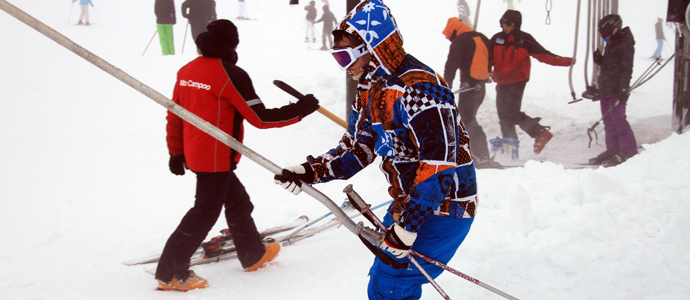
<point>345,57</point>
<point>505,22</point>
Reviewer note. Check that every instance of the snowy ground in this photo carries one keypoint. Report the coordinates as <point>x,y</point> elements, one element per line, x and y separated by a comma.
<point>85,185</point>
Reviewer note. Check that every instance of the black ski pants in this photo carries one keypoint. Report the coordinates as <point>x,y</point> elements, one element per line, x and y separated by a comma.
<point>508,107</point>
<point>213,191</point>
<point>468,105</point>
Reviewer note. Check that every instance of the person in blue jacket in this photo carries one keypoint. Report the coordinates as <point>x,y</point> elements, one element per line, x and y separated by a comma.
<point>405,113</point>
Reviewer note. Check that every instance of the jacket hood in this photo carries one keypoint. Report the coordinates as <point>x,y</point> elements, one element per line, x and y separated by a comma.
<point>455,27</point>
<point>513,16</point>
<point>211,45</point>
<point>372,22</point>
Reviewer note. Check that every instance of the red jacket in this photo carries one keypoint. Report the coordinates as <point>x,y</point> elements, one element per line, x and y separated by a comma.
<point>511,57</point>
<point>221,93</point>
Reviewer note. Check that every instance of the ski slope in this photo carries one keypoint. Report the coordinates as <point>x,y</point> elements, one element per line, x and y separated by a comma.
<point>84,181</point>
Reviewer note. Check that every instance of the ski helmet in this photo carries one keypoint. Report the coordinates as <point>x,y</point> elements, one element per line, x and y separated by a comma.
<point>610,25</point>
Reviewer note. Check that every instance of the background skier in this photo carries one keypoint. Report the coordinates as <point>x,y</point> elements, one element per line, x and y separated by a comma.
<point>660,38</point>
<point>405,113</point>
<point>199,13</point>
<point>512,49</point>
<point>84,15</point>
<point>214,88</point>
<point>329,21</point>
<point>309,30</point>
<point>469,52</point>
<point>165,19</point>
<point>614,81</point>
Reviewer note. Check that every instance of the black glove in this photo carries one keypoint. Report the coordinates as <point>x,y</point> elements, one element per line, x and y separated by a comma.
<point>597,57</point>
<point>292,177</point>
<point>623,94</point>
<point>177,164</point>
<point>307,105</point>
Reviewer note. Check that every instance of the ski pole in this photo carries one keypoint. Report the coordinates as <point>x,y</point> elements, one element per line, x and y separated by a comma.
<point>344,207</point>
<point>367,234</point>
<point>290,90</point>
<point>70,12</point>
<point>96,13</point>
<point>460,91</point>
<point>365,210</point>
<point>147,46</point>
<point>184,40</point>
<point>359,202</point>
<point>462,275</point>
<point>657,71</point>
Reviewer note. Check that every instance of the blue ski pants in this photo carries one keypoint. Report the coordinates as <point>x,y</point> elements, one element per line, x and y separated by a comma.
<point>438,239</point>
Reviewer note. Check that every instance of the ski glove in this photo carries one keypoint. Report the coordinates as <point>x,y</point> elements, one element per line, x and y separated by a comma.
<point>177,164</point>
<point>292,177</point>
<point>597,57</point>
<point>398,241</point>
<point>307,105</point>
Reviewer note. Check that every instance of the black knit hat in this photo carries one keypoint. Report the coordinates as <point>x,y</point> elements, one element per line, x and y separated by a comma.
<point>514,17</point>
<point>225,30</point>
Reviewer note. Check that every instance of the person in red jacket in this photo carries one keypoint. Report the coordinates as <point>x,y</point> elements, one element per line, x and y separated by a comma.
<point>214,88</point>
<point>512,49</point>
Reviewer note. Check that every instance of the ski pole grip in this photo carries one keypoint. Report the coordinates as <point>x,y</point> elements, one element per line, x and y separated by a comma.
<point>356,200</point>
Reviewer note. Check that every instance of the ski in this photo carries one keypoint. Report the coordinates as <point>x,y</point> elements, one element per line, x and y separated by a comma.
<point>225,239</point>
<point>229,252</point>
<point>303,232</point>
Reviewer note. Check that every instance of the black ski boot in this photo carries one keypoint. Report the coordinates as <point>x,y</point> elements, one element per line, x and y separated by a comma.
<point>601,158</point>
<point>617,159</point>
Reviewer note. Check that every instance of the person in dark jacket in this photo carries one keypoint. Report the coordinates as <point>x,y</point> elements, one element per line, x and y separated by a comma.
<point>469,52</point>
<point>660,38</point>
<point>329,21</point>
<point>309,31</point>
<point>165,19</point>
<point>199,13</point>
<point>214,88</point>
<point>616,66</point>
<point>512,49</point>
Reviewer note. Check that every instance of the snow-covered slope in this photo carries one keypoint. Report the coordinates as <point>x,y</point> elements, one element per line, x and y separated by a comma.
<point>84,182</point>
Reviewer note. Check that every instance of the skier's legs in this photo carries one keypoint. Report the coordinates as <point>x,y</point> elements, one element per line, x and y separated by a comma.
<point>84,13</point>
<point>211,191</point>
<point>238,213</point>
<point>306,29</point>
<point>468,105</point>
<point>616,123</point>
<point>433,240</point>
<point>610,133</point>
<point>165,34</point>
<point>326,35</point>
<point>659,47</point>
<point>312,31</point>
<point>508,105</point>
<point>243,10</point>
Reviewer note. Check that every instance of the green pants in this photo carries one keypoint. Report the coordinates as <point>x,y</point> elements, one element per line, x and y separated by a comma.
<point>165,32</point>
